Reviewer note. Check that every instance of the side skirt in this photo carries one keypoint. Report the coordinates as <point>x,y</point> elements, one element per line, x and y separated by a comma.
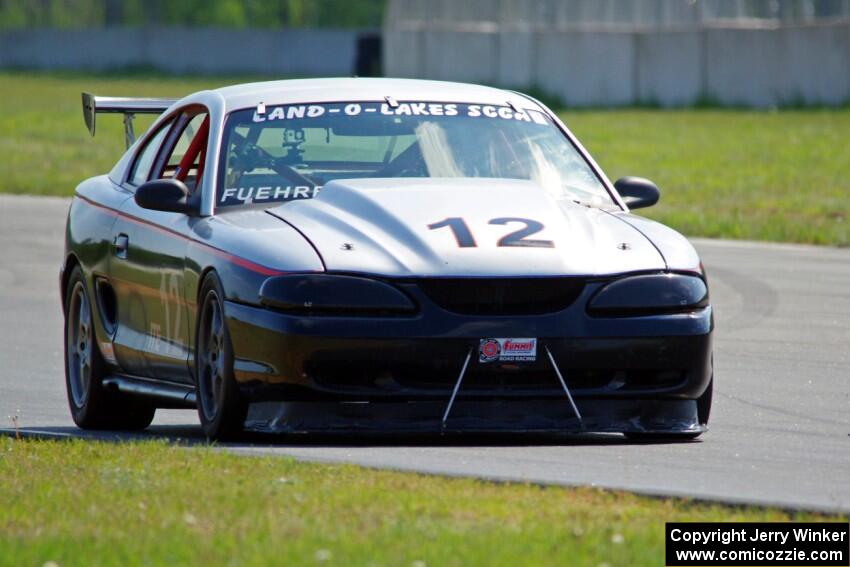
<point>167,395</point>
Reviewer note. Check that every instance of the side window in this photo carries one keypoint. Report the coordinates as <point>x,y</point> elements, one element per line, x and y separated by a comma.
<point>187,156</point>
<point>144,159</point>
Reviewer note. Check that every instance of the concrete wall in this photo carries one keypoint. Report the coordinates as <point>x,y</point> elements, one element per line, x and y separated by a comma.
<point>178,50</point>
<point>669,67</point>
<point>756,67</point>
<point>809,64</point>
<point>584,67</point>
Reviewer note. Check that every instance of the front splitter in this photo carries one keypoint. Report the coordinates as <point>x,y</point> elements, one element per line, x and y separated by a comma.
<point>478,416</point>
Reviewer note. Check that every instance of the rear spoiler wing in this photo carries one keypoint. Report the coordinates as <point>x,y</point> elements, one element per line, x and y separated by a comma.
<point>129,107</point>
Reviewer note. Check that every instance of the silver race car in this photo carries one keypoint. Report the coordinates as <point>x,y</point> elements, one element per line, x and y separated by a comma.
<point>376,255</point>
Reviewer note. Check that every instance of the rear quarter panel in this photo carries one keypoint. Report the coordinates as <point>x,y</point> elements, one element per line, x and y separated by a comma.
<point>88,236</point>
<point>88,232</point>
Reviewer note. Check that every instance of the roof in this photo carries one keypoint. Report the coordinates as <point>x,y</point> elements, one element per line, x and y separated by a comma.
<point>293,91</point>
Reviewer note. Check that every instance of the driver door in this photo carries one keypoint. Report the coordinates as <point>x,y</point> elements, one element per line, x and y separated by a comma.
<point>153,335</point>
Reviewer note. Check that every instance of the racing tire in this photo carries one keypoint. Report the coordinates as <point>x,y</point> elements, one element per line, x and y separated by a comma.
<point>91,405</point>
<point>221,409</point>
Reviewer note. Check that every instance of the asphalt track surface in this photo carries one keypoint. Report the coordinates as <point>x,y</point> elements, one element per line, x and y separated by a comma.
<point>779,429</point>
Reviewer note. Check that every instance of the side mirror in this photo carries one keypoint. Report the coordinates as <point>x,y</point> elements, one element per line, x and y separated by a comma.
<point>637,192</point>
<point>170,195</point>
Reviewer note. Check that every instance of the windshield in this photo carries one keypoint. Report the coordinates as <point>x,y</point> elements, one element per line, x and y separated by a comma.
<point>289,152</point>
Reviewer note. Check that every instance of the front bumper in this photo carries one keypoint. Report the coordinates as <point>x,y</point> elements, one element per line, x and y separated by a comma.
<point>397,373</point>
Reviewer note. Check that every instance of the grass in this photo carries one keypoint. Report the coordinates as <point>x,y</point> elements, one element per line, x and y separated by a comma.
<point>152,503</point>
<point>761,175</point>
<point>45,146</point>
<point>781,176</point>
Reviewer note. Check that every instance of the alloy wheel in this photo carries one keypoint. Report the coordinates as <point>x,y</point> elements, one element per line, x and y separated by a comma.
<point>80,345</point>
<point>211,361</point>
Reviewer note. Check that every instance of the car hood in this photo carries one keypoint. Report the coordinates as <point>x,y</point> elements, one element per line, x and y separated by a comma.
<point>381,226</point>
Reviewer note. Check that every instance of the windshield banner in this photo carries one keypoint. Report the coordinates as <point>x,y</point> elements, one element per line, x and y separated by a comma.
<point>302,111</point>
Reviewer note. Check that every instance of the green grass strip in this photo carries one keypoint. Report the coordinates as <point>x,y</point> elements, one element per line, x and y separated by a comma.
<point>154,503</point>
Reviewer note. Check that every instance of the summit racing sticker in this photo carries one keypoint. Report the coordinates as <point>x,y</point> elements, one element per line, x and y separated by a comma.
<point>507,350</point>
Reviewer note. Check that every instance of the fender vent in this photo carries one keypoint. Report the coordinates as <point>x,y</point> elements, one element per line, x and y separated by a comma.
<point>502,296</point>
<point>107,304</point>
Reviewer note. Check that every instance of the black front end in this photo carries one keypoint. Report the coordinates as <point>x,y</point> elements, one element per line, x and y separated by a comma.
<point>556,354</point>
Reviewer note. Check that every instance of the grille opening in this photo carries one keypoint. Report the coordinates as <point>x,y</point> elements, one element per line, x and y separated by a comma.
<point>502,296</point>
<point>438,381</point>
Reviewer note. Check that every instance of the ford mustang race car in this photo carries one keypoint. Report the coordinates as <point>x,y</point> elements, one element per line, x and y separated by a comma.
<point>376,255</point>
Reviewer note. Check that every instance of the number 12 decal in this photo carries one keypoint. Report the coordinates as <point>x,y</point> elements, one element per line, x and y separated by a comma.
<point>464,237</point>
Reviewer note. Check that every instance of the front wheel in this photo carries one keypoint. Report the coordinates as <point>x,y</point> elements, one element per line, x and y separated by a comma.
<point>92,407</point>
<point>220,407</point>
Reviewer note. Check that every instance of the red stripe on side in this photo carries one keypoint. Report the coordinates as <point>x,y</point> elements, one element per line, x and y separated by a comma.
<point>239,261</point>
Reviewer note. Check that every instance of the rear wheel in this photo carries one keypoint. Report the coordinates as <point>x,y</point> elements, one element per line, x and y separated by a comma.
<point>92,407</point>
<point>221,409</point>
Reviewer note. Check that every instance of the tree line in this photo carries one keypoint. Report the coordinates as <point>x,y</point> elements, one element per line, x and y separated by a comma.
<point>211,13</point>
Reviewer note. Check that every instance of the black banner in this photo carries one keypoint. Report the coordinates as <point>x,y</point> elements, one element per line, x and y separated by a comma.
<point>752,543</point>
